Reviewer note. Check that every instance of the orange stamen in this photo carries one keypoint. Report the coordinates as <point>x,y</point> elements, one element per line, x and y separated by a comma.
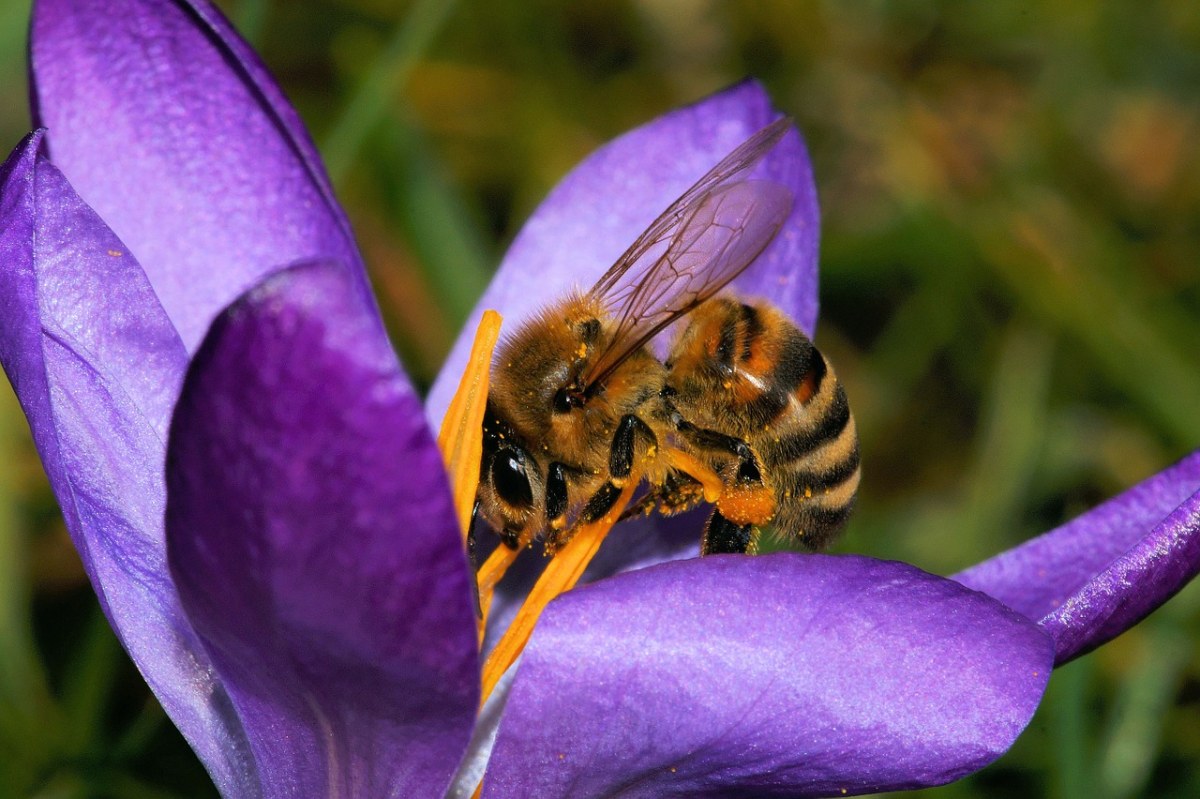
<point>489,574</point>
<point>461,436</point>
<point>561,574</point>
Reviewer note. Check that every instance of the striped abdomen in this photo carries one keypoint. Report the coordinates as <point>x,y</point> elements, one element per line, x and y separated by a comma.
<point>748,371</point>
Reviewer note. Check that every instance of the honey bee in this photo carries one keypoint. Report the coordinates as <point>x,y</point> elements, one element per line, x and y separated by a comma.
<point>747,370</point>
<point>579,404</point>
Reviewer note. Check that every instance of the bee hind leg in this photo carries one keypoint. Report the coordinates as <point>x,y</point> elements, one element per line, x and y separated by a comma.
<point>722,537</point>
<point>748,500</point>
<point>714,440</point>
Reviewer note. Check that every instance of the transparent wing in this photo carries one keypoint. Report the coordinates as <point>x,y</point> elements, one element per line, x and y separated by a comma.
<point>698,245</point>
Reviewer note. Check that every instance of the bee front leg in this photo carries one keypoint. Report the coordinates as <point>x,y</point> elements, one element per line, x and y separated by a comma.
<point>556,502</point>
<point>473,558</point>
<point>472,549</point>
<point>723,537</point>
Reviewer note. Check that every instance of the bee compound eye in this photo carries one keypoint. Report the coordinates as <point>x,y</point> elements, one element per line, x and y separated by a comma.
<point>510,478</point>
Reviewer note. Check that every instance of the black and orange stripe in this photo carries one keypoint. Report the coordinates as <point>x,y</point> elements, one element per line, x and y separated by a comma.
<point>747,370</point>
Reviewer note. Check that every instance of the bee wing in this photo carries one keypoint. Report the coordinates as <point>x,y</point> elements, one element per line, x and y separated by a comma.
<point>698,245</point>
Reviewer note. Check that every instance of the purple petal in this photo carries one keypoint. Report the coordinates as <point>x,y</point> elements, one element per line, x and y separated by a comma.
<point>598,210</point>
<point>169,126</point>
<point>1099,574</point>
<point>96,365</point>
<point>782,675</point>
<point>634,544</point>
<point>312,537</point>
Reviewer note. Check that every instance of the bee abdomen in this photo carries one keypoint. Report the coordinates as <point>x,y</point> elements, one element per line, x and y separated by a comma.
<point>812,525</point>
<point>788,446</point>
<point>812,503</point>
<point>823,477</point>
<point>795,373</point>
<point>814,457</point>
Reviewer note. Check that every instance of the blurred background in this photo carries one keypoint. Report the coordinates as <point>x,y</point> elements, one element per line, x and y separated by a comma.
<point>1010,291</point>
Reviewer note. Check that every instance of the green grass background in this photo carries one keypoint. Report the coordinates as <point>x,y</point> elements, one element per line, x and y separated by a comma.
<point>1010,291</point>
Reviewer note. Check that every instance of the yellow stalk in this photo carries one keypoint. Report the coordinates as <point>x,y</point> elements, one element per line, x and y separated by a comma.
<point>461,436</point>
<point>561,574</point>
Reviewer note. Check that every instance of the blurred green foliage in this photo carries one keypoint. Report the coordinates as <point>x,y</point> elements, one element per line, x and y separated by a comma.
<point>1011,234</point>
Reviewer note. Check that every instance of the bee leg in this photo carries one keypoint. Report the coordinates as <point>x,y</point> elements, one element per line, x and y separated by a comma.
<point>620,465</point>
<point>556,502</point>
<point>722,536</point>
<point>620,459</point>
<point>472,551</point>
<point>643,506</point>
<point>748,499</point>
<point>601,502</point>
<point>748,470</point>
<point>473,558</point>
<point>678,493</point>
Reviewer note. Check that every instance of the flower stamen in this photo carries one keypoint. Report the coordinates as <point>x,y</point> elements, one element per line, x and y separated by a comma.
<point>561,574</point>
<point>490,573</point>
<point>461,437</point>
<point>461,442</point>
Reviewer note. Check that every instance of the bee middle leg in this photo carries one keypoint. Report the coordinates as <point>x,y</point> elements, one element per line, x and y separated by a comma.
<point>620,465</point>
<point>620,457</point>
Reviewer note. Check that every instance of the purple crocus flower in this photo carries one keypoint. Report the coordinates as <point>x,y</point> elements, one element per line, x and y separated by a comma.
<point>257,498</point>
